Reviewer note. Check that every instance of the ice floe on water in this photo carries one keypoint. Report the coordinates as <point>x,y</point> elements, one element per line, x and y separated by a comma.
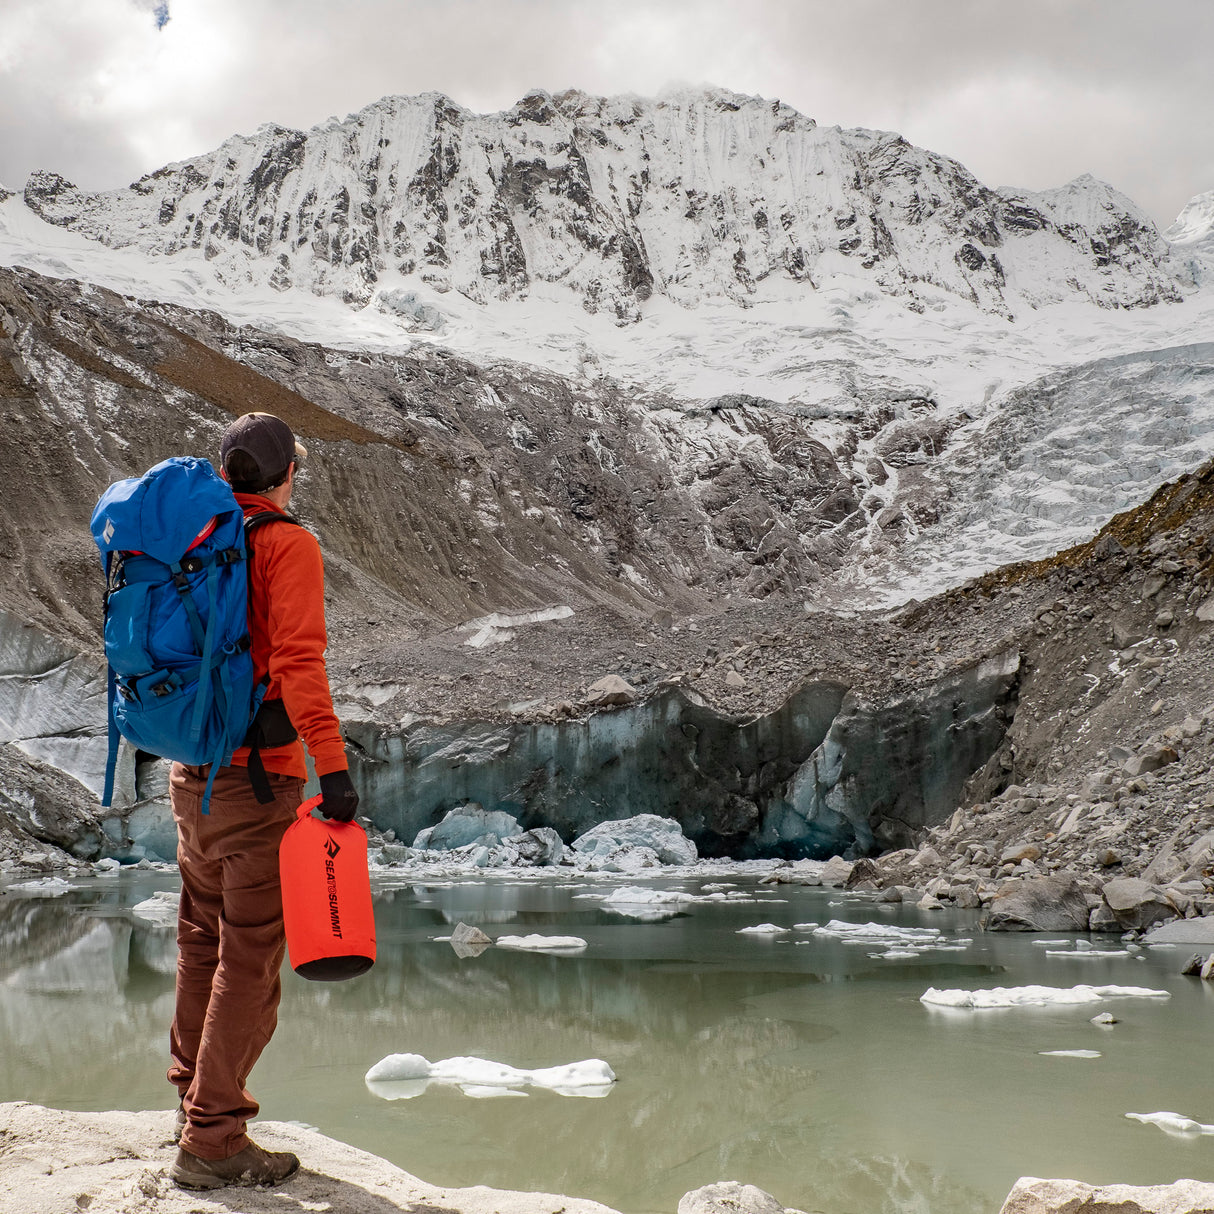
<point>650,904</point>
<point>542,944</point>
<point>160,909</point>
<point>1175,1124</point>
<point>1080,948</point>
<point>403,1076</point>
<point>45,887</point>
<point>896,943</point>
<point>1094,953</point>
<point>638,902</point>
<point>1070,1053</point>
<point>1034,996</point>
<point>763,929</point>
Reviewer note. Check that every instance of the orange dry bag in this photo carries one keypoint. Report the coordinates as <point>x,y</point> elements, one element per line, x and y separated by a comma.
<point>326,897</point>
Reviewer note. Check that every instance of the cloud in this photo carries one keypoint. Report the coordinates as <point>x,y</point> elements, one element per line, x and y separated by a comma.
<point>1030,94</point>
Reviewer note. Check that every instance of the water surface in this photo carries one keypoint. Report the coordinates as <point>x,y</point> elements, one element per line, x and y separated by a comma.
<point>802,1065</point>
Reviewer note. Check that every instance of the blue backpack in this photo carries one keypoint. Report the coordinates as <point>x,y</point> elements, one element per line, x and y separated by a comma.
<point>175,545</point>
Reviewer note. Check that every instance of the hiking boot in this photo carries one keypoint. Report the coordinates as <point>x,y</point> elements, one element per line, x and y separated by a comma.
<point>252,1166</point>
<point>179,1123</point>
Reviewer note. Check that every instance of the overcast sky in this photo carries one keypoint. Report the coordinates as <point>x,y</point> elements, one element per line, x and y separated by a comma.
<point>1028,93</point>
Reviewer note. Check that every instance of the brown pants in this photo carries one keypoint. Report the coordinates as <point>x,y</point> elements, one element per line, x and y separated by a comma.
<point>230,948</point>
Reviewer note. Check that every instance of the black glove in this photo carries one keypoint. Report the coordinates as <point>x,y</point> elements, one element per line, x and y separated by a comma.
<point>339,800</point>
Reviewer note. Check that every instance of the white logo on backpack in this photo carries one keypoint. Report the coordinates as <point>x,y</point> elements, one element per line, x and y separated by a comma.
<point>108,533</point>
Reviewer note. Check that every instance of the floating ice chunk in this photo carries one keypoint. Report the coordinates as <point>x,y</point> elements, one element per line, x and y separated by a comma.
<point>1070,1053</point>
<point>1175,1124</point>
<point>1035,996</point>
<point>403,1076</point>
<point>763,929</point>
<point>160,909</point>
<point>1088,952</point>
<point>1050,943</point>
<point>1105,1020</point>
<point>896,954</point>
<point>647,905</point>
<point>885,934</point>
<point>45,887</point>
<point>640,895</point>
<point>542,944</point>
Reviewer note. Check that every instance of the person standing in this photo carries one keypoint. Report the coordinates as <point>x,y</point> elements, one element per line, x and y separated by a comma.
<point>230,933</point>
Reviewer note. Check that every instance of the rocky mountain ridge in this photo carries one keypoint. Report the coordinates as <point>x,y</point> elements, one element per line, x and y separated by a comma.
<point>422,450</point>
<point>617,200</point>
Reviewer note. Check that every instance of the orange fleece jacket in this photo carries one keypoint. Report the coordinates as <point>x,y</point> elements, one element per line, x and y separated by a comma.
<point>287,630</point>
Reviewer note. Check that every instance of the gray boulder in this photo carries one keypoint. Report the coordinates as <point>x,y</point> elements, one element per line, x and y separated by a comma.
<point>1137,904</point>
<point>1183,931</point>
<point>610,691</point>
<point>1150,758</point>
<point>468,940</point>
<point>1039,904</point>
<point>1032,1196</point>
<point>836,872</point>
<point>864,870</point>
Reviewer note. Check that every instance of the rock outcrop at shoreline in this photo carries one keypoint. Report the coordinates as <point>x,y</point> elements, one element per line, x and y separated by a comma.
<point>52,1161</point>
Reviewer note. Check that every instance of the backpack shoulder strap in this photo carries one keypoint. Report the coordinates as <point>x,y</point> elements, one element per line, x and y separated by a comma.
<point>256,768</point>
<point>259,518</point>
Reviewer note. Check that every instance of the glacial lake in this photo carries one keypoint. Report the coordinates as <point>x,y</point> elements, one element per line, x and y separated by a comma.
<point>799,1063</point>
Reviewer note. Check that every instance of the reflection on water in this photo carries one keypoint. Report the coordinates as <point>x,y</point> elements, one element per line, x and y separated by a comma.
<point>800,1064</point>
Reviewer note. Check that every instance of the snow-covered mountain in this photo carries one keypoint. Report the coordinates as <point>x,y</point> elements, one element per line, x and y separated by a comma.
<point>973,375</point>
<point>1192,237</point>
<point>700,195</point>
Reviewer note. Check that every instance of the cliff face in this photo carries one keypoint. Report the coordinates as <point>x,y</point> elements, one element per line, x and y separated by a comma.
<point>704,194</point>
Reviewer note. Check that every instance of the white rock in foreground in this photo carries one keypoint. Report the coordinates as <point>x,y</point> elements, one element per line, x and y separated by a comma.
<point>730,1197</point>
<point>403,1076</point>
<point>119,1160</point>
<point>1035,996</point>
<point>1030,1195</point>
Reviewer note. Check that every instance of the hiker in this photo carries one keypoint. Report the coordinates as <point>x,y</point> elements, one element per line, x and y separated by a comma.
<point>230,927</point>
